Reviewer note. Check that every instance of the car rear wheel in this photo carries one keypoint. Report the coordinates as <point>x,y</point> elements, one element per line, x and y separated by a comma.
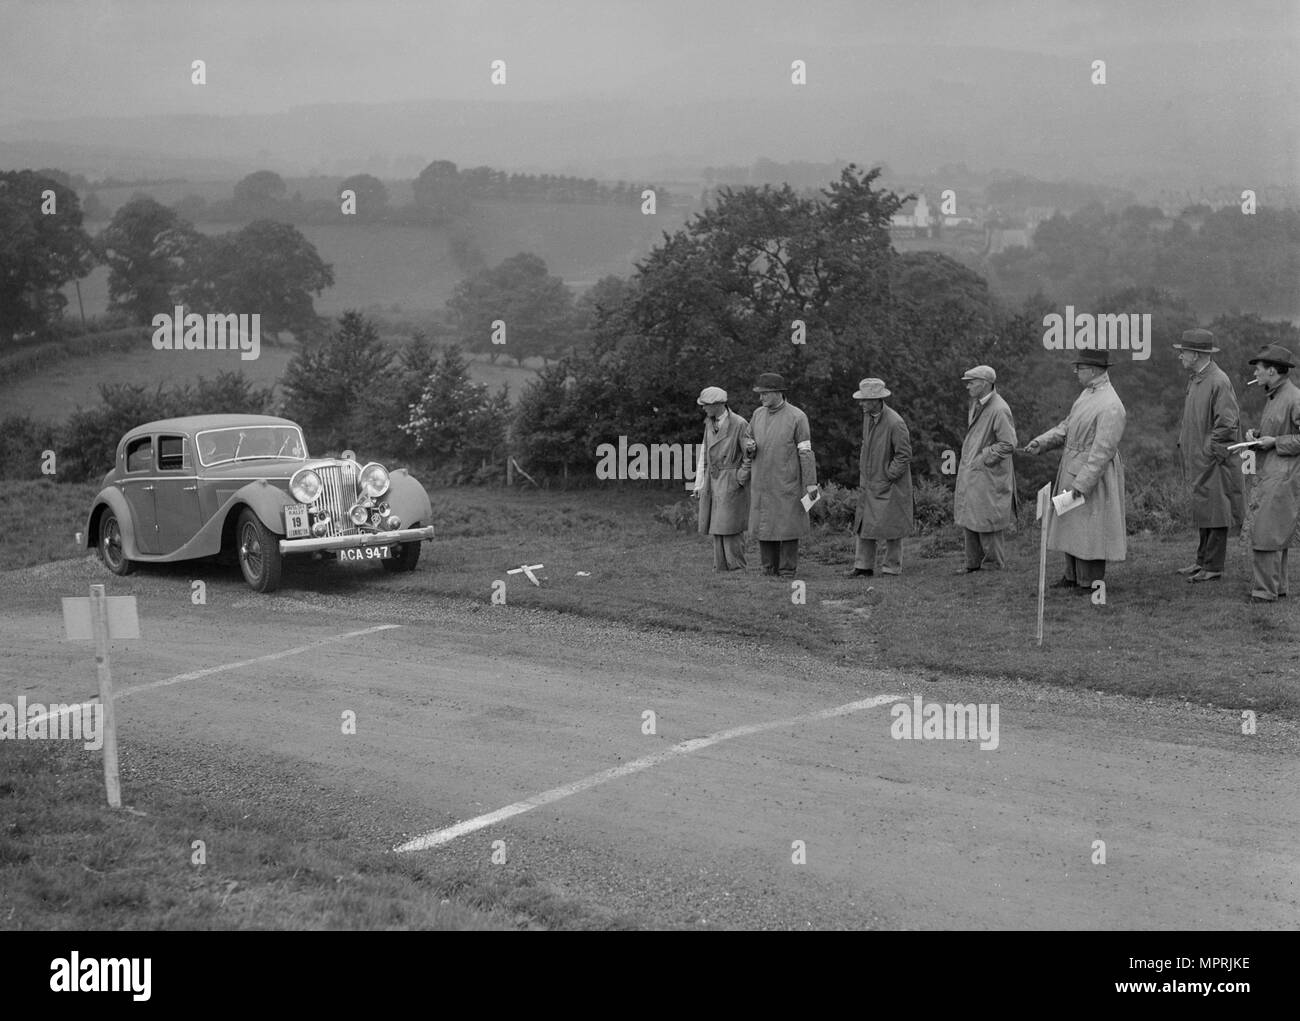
<point>111,550</point>
<point>405,556</point>
<point>259,553</point>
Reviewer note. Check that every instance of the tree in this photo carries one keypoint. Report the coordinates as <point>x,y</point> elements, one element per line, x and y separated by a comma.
<point>268,268</point>
<point>457,423</point>
<point>40,252</point>
<point>151,253</point>
<point>261,190</point>
<point>325,385</point>
<point>536,308</point>
<point>372,196</point>
<point>440,192</point>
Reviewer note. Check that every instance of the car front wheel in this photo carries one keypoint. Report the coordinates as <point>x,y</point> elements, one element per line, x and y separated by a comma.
<point>111,550</point>
<point>259,553</point>
<point>405,556</point>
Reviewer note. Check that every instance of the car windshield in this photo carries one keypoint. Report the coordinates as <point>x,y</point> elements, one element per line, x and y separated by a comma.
<point>251,443</point>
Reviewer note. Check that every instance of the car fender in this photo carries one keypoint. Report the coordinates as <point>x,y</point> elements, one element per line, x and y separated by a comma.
<point>407,499</point>
<point>265,500</point>
<point>111,498</point>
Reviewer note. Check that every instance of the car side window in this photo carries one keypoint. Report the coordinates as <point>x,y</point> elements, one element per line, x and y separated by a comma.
<point>171,453</point>
<point>139,454</point>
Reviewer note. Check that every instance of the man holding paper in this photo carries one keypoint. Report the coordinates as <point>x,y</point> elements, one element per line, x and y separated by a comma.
<point>884,483</point>
<point>1091,467</point>
<point>783,470</point>
<point>1275,499</point>
<point>1210,424</point>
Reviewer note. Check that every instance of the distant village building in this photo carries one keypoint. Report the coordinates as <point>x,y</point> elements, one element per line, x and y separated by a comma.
<point>912,218</point>
<point>1000,240</point>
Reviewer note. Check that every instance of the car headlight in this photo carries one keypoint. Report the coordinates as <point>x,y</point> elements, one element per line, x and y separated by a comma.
<point>305,485</point>
<point>373,480</point>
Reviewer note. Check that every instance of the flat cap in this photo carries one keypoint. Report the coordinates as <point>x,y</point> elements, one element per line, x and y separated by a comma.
<point>981,372</point>
<point>712,395</point>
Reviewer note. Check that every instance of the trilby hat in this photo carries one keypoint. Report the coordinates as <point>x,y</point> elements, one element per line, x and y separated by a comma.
<point>1201,341</point>
<point>1097,359</point>
<point>1276,354</point>
<point>769,381</point>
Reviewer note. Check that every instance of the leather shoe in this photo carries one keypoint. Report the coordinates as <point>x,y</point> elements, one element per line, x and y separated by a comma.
<point>1205,576</point>
<point>859,572</point>
<point>1194,569</point>
<point>966,570</point>
<point>1062,583</point>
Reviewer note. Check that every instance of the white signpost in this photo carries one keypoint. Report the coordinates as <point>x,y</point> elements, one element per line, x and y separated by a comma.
<point>1044,513</point>
<point>102,618</point>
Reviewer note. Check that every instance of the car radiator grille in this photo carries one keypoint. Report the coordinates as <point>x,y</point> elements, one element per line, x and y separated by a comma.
<point>338,494</point>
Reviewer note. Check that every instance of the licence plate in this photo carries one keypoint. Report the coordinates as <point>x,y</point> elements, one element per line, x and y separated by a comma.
<point>295,521</point>
<point>366,553</point>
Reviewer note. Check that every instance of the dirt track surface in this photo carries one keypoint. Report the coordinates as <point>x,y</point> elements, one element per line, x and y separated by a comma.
<point>464,709</point>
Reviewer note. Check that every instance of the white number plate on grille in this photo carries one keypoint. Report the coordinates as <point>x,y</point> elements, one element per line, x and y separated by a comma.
<point>295,521</point>
<point>366,553</point>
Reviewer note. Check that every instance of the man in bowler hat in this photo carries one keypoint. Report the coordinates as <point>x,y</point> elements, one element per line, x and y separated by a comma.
<point>1091,467</point>
<point>783,470</point>
<point>1210,423</point>
<point>1275,498</point>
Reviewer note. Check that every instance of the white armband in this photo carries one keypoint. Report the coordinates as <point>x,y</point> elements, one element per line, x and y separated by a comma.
<point>804,445</point>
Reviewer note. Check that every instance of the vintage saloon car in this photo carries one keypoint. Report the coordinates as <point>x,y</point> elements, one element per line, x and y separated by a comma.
<point>244,485</point>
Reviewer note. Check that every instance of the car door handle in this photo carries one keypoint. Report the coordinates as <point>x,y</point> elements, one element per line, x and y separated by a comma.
<point>146,489</point>
<point>188,489</point>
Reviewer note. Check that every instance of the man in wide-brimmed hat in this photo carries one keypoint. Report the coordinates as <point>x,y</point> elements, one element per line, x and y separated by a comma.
<point>1210,423</point>
<point>984,500</point>
<point>1091,467</point>
<point>720,482</point>
<point>884,482</point>
<point>1275,498</point>
<point>783,470</point>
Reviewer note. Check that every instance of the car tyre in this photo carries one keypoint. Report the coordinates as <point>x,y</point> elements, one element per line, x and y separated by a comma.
<point>258,549</point>
<point>111,551</point>
<point>405,556</point>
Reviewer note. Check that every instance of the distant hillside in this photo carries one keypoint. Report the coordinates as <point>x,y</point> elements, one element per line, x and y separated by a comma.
<point>411,269</point>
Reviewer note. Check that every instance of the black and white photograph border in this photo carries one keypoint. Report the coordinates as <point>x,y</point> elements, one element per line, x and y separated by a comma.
<point>826,466</point>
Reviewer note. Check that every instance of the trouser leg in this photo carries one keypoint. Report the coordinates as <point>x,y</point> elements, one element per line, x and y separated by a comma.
<point>789,558</point>
<point>864,558</point>
<point>733,551</point>
<point>892,563</point>
<point>994,550</point>
<point>1269,570</point>
<point>1214,546</point>
<point>1088,571</point>
<point>974,549</point>
<point>768,553</point>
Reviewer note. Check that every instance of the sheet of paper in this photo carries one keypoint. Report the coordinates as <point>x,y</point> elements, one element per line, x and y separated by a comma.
<point>1066,502</point>
<point>809,499</point>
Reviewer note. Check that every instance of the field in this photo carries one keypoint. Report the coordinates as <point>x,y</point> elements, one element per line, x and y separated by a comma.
<point>410,268</point>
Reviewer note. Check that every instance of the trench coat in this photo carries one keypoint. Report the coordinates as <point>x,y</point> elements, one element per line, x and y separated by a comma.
<point>884,478</point>
<point>780,473</point>
<point>1091,464</point>
<point>724,500</point>
<point>1210,423</point>
<point>1275,496</point>
<point>985,497</point>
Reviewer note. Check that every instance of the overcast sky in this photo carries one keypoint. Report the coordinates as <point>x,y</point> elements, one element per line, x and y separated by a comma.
<point>132,57</point>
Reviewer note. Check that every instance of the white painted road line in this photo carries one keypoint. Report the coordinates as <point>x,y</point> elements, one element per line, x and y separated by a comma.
<point>436,838</point>
<point>194,675</point>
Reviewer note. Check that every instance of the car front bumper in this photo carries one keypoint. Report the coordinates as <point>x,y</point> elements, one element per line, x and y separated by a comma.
<point>327,542</point>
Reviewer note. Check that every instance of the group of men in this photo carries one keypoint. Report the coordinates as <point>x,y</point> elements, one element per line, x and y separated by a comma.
<point>757,477</point>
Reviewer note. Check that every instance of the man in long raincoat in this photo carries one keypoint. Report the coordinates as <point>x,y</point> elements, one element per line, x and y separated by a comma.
<point>884,482</point>
<point>984,501</point>
<point>783,470</point>
<point>1275,499</point>
<point>721,480</point>
<point>1091,467</point>
<point>1210,423</point>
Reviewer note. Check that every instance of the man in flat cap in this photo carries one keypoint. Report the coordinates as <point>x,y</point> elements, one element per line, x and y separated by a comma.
<point>1210,423</point>
<point>1275,498</point>
<point>985,502</point>
<point>783,470</point>
<point>721,479</point>
<point>884,482</point>
<point>1091,467</point>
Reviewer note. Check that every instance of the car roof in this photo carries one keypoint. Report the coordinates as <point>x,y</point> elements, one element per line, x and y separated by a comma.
<point>197,423</point>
